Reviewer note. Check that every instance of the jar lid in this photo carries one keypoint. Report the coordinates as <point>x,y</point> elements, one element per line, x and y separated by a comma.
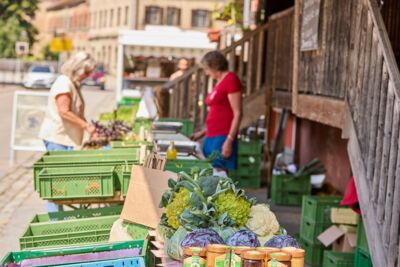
<point>190,251</point>
<point>218,248</point>
<point>280,256</point>
<point>241,249</point>
<point>253,255</point>
<point>295,252</point>
<point>268,250</point>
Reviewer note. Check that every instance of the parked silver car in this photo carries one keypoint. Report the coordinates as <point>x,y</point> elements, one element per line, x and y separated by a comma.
<point>40,76</point>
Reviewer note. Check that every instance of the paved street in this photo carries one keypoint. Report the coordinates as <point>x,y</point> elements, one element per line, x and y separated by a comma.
<point>18,201</point>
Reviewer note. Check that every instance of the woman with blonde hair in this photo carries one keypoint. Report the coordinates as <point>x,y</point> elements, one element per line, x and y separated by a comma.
<point>64,123</point>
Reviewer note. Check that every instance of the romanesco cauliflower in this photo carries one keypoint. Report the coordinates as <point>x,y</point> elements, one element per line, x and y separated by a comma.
<point>262,221</point>
<point>177,206</point>
<point>238,208</point>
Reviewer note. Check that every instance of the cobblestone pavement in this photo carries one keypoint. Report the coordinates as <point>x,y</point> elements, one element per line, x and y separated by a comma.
<point>18,204</point>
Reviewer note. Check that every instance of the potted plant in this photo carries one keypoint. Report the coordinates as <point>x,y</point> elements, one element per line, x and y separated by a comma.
<point>229,15</point>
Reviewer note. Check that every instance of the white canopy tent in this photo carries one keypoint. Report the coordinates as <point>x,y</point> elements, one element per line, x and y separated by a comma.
<point>160,41</point>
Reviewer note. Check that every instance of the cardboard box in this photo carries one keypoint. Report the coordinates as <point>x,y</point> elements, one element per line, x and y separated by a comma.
<point>344,216</point>
<point>147,185</point>
<point>339,240</point>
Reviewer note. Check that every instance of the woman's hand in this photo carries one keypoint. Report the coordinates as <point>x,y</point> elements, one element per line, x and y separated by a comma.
<point>226,151</point>
<point>197,135</point>
<point>91,129</point>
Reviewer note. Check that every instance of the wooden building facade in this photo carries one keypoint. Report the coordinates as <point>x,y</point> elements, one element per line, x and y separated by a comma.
<point>334,66</point>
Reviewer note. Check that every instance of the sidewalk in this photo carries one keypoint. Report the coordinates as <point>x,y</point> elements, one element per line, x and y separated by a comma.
<point>18,204</point>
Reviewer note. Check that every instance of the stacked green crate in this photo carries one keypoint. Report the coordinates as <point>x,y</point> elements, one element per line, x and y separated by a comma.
<point>187,128</point>
<point>362,256</point>
<point>338,259</point>
<point>85,158</point>
<point>315,218</point>
<point>287,189</point>
<point>248,172</point>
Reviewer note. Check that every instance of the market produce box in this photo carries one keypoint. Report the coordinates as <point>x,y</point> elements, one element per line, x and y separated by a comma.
<point>362,258</point>
<point>362,242</point>
<point>338,259</point>
<point>112,158</point>
<point>68,232</point>
<point>252,147</point>
<point>287,189</point>
<point>82,254</point>
<point>76,214</point>
<point>318,208</point>
<point>314,253</point>
<point>77,182</point>
<point>310,230</point>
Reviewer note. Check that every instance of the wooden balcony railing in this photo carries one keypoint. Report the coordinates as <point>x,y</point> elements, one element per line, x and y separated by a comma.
<point>373,102</point>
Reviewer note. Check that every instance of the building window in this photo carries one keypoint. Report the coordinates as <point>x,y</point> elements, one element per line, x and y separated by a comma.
<point>201,18</point>
<point>111,17</point>
<point>153,15</point>
<point>105,18</point>
<point>126,15</point>
<point>173,16</point>
<point>119,16</point>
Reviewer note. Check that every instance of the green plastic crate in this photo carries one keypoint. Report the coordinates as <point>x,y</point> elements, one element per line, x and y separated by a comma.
<point>249,160</point>
<point>125,178</point>
<point>61,161</point>
<point>290,183</point>
<point>139,122</point>
<point>77,182</point>
<point>130,144</point>
<point>362,242</point>
<point>187,127</point>
<point>129,101</point>
<point>248,171</point>
<point>76,214</point>
<point>286,198</point>
<point>113,151</point>
<point>310,230</point>
<point>338,259</point>
<point>314,253</point>
<point>318,208</point>
<point>253,147</point>
<point>362,258</point>
<point>247,182</point>
<point>66,233</point>
<point>186,165</point>
<point>17,257</point>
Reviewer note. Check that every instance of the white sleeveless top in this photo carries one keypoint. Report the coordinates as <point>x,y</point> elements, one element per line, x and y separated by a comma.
<point>54,128</point>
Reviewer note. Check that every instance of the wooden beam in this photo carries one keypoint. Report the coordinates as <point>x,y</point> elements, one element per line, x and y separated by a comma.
<point>369,213</point>
<point>281,99</point>
<point>321,109</point>
<point>296,52</point>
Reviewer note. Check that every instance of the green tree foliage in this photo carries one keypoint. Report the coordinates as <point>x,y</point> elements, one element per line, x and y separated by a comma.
<point>16,23</point>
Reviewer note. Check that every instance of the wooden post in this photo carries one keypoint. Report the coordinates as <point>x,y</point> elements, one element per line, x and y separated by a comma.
<point>296,53</point>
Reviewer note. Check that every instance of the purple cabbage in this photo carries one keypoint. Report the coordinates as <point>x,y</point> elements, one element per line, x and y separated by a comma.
<point>244,238</point>
<point>282,241</point>
<point>201,238</point>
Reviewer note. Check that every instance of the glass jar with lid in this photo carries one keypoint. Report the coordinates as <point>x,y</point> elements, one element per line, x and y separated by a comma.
<point>297,255</point>
<point>280,259</point>
<point>253,258</point>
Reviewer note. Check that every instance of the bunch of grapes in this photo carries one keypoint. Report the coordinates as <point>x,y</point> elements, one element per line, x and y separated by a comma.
<point>106,132</point>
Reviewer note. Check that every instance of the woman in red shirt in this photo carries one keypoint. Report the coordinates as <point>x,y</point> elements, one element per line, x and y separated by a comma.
<point>225,112</point>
